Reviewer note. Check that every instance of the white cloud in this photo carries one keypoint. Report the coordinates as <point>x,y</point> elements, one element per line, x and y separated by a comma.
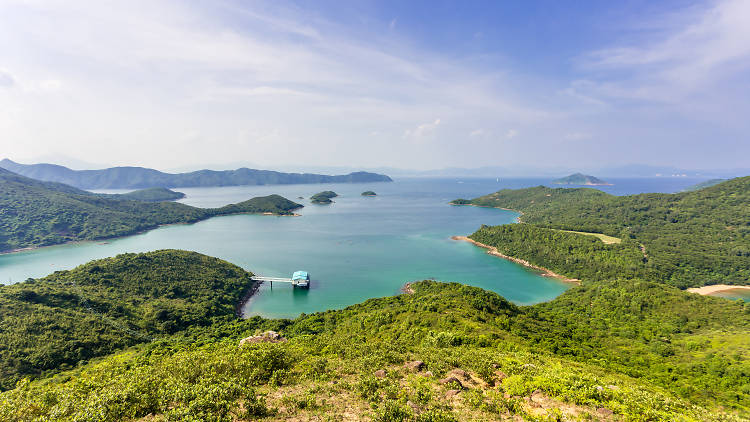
<point>511,133</point>
<point>691,52</point>
<point>423,130</point>
<point>476,132</point>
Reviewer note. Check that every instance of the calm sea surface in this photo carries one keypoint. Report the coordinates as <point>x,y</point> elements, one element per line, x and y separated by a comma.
<point>355,249</point>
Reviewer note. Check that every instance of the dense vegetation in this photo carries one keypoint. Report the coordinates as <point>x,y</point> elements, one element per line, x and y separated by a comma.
<point>68,317</point>
<point>138,177</point>
<point>579,179</point>
<point>152,195</point>
<point>34,213</point>
<point>494,355</point>
<point>369,193</point>
<point>323,197</point>
<point>686,239</point>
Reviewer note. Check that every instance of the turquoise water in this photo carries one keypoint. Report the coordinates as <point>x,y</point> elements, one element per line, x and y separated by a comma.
<point>734,294</point>
<point>355,249</point>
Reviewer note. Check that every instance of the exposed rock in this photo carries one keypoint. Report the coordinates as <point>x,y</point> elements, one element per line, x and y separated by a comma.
<point>613,387</point>
<point>603,411</point>
<point>501,375</point>
<point>266,337</point>
<point>428,374</point>
<point>528,366</point>
<point>459,373</point>
<point>449,380</point>
<point>380,373</point>
<point>414,366</point>
<point>451,393</point>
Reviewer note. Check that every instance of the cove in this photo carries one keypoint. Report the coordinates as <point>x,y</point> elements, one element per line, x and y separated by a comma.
<point>355,249</point>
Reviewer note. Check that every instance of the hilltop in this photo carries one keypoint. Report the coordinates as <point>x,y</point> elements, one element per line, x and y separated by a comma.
<point>139,177</point>
<point>34,213</point>
<point>580,179</point>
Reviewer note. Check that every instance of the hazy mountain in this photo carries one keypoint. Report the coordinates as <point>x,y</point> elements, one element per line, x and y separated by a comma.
<point>139,177</point>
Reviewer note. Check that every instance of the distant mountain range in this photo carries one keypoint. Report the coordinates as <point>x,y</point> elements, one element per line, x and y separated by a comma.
<point>140,178</point>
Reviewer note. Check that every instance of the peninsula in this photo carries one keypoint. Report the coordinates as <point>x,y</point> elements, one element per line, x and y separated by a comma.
<point>139,177</point>
<point>581,179</point>
<point>35,213</point>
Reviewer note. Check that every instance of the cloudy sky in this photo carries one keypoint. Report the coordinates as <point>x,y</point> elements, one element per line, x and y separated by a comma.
<point>410,84</point>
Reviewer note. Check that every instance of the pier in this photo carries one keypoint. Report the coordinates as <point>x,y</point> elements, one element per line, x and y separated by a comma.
<point>299,279</point>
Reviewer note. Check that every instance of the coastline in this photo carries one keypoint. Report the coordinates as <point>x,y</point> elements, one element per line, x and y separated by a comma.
<point>493,251</point>
<point>715,288</point>
<point>246,298</point>
<point>146,230</point>
<point>518,219</point>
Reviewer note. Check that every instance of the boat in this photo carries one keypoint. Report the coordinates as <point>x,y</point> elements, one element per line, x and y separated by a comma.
<point>301,279</point>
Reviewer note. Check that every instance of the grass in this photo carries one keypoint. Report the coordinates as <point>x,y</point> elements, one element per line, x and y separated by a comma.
<point>608,240</point>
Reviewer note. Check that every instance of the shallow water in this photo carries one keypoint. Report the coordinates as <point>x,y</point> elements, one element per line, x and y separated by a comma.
<point>355,249</point>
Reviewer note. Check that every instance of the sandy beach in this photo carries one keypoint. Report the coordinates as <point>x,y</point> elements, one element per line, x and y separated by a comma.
<point>493,251</point>
<point>716,288</point>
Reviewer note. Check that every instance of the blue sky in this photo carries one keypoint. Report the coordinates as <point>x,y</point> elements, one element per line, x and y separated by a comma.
<point>411,84</point>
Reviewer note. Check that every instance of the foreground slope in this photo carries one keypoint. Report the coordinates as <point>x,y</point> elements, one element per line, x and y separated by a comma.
<point>55,322</point>
<point>138,177</point>
<point>329,364</point>
<point>685,239</point>
<point>592,354</point>
<point>34,213</point>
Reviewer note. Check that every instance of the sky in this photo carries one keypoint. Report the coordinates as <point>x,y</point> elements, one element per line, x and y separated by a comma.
<point>408,84</point>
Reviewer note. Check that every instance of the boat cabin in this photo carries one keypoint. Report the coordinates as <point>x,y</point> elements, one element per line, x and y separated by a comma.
<point>301,279</point>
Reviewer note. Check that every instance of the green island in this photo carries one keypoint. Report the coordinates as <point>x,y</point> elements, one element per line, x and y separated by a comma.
<point>580,179</point>
<point>154,336</point>
<point>369,193</point>
<point>35,213</point>
<point>323,197</point>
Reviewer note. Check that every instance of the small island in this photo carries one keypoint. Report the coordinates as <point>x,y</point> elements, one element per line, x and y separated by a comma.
<point>581,179</point>
<point>323,197</point>
<point>460,201</point>
<point>369,193</point>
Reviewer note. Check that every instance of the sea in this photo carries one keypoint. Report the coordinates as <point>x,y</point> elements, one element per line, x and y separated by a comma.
<point>354,249</point>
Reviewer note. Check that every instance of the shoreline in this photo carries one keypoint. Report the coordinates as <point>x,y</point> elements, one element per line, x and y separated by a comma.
<point>715,288</point>
<point>491,250</point>
<point>246,298</point>
<point>100,239</point>
<point>518,219</point>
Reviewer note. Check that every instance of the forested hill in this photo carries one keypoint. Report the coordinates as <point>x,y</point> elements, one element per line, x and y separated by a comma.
<point>139,177</point>
<point>69,316</point>
<point>34,213</point>
<point>445,352</point>
<point>684,239</point>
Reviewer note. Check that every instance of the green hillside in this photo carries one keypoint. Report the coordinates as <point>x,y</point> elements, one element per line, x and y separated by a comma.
<point>55,322</point>
<point>152,195</point>
<point>34,213</point>
<point>139,177</point>
<point>589,355</point>
<point>684,239</point>
<point>706,184</point>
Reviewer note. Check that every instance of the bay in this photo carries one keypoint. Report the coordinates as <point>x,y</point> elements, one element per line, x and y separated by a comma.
<point>355,249</point>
